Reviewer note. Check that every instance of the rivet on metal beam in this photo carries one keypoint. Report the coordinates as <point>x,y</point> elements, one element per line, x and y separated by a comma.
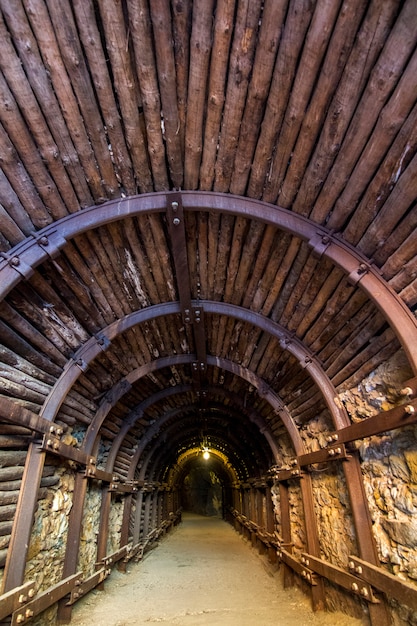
<point>81,364</point>
<point>103,341</point>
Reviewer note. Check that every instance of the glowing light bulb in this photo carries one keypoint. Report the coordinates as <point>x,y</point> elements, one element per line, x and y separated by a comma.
<point>206,454</point>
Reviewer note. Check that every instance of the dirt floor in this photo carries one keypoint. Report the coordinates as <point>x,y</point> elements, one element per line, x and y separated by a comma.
<point>202,573</point>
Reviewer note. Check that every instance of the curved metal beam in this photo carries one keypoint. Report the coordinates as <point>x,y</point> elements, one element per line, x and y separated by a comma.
<point>305,357</point>
<point>94,346</point>
<point>122,387</point>
<point>20,262</point>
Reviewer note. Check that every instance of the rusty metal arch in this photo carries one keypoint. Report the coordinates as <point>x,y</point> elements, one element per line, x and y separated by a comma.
<point>96,344</point>
<point>20,262</point>
<point>154,428</point>
<point>155,462</point>
<point>124,385</point>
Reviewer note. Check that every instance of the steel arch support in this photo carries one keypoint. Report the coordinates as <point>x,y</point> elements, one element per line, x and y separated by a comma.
<point>28,254</point>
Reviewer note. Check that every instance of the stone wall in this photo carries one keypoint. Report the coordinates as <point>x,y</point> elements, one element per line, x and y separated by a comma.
<point>389,467</point>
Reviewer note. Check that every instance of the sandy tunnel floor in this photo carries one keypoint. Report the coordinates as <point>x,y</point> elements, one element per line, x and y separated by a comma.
<point>202,573</point>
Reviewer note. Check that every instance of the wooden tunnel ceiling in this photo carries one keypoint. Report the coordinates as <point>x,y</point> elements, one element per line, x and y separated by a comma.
<point>309,106</point>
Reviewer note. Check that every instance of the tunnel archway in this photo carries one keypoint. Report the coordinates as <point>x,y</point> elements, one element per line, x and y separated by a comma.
<point>229,262</point>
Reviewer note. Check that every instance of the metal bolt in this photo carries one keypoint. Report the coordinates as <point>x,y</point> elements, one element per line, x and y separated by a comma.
<point>31,593</point>
<point>49,442</point>
<point>409,409</point>
<point>20,618</point>
<point>176,221</point>
<point>22,598</point>
<point>43,241</point>
<point>332,452</point>
<point>358,569</point>
<point>355,587</point>
<point>364,592</point>
<point>351,565</point>
<point>15,261</point>
<point>407,391</point>
<point>28,613</point>
<point>174,205</point>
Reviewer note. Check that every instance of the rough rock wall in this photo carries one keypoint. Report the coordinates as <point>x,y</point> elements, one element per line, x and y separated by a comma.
<point>389,467</point>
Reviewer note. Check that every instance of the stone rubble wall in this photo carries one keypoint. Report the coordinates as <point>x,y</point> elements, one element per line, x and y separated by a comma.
<point>389,467</point>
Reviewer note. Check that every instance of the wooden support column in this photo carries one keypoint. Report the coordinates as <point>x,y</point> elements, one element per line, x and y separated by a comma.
<point>124,533</point>
<point>154,510</point>
<point>104,523</point>
<point>73,541</point>
<point>147,515</point>
<point>286,530</point>
<point>313,543</point>
<point>138,518</point>
<point>270,523</point>
<point>253,514</point>
<point>378,613</point>
<point>20,538</point>
<point>260,516</point>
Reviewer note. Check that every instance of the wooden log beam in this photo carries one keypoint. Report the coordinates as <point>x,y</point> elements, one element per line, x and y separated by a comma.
<point>222,35</point>
<point>200,48</point>
<point>123,74</point>
<point>141,34</point>
<point>246,25</point>
<point>162,31</point>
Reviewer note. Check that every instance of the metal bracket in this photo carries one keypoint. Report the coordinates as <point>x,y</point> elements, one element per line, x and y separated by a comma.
<point>103,341</point>
<point>113,558</point>
<point>357,274</point>
<point>398,417</point>
<point>16,263</point>
<point>301,569</point>
<point>334,453</point>
<point>87,585</point>
<point>319,244</point>
<point>91,471</point>
<point>123,487</point>
<point>338,576</point>
<point>52,243</point>
<point>282,474</point>
<point>392,586</point>
<point>51,443</point>
<point>80,363</point>
<point>11,601</point>
<point>46,599</point>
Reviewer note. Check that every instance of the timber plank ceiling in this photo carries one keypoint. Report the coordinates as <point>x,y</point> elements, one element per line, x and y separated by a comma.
<point>175,178</point>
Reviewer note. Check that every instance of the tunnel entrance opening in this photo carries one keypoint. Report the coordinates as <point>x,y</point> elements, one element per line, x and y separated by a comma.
<point>202,492</point>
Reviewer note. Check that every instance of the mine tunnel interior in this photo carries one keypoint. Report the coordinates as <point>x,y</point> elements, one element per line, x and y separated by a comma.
<point>208,244</point>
